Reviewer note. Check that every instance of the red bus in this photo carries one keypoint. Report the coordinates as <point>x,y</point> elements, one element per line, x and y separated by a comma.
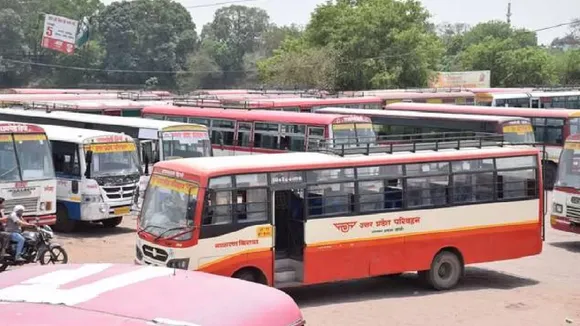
<point>566,195</point>
<point>432,96</point>
<point>113,107</point>
<point>302,104</point>
<point>551,126</point>
<point>241,132</point>
<point>98,294</point>
<point>296,219</point>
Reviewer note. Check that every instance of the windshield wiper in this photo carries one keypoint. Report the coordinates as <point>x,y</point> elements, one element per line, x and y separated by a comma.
<point>147,227</point>
<point>187,228</point>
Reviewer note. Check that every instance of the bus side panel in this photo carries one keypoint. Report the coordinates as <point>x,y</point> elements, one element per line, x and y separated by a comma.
<point>356,247</point>
<point>67,198</point>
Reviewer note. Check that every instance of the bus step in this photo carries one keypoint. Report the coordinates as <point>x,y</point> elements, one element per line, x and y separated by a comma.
<point>282,285</point>
<point>284,276</point>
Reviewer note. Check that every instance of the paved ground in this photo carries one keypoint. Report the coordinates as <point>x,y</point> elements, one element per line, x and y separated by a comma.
<point>542,290</point>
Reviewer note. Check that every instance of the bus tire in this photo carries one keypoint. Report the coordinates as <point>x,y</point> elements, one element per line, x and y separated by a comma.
<point>112,222</point>
<point>250,275</point>
<point>63,223</point>
<point>550,175</point>
<point>446,271</point>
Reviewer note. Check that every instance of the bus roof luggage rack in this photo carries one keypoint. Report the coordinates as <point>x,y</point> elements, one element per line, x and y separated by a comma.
<point>138,96</point>
<point>410,143</point>
<point>206,102</point>
<point>48,107</point>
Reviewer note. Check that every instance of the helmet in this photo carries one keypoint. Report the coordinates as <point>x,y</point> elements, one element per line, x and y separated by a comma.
<point>18,208</point>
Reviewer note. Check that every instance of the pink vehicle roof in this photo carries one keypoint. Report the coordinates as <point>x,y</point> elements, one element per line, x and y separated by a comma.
<point>127,295</point>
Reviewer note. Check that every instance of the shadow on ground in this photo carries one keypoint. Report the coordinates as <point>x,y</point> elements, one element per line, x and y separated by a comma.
<point>407,285</point>
<point>572,246</point>
<point>95,230</point>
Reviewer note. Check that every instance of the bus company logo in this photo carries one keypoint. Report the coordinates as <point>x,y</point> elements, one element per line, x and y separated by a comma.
<point>344,227</point>
<point>13,128</point>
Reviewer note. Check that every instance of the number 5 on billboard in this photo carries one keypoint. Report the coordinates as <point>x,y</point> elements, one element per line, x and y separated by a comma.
<point>49,31</point>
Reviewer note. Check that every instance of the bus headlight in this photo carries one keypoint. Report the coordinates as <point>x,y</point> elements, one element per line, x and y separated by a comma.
<point>92,199</point>
<point>178,263</point>
<point>557,208</point>
<point>42,206</point>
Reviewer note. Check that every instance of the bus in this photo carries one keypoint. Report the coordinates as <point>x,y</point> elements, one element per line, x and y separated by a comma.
<point>551,127</point>
<point>515,130</point>
<point>97,176</point>
<point>566,195</point>
<point>457,97</point>
<point>27,174</point>
<point>294,219</point>
<point>240,132</point>
<point>97,294</point>
<point>113,107</point>
<point>537,100</point>
<point>286,104</point>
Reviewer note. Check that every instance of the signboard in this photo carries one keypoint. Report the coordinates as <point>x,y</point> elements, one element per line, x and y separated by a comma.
<point>59,34</point>
<point>468,79</point>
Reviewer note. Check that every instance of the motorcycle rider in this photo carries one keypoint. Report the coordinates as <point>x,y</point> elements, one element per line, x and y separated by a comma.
<point>14,225</point>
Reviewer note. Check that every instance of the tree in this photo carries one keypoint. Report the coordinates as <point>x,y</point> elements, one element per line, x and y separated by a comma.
<point>567,66</point>
<point>273,37</point>
<point>13,46</point>
<point>202,71</point>
<point>380,43</point>
<point>525,67</point>
<point>235,32</point>
<point>146,35</point>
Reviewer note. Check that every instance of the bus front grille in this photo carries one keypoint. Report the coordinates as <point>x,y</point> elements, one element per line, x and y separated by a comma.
<point>155,253</point>
<point>120,192</point>
<point>30,204</point>
<point>573,212</point>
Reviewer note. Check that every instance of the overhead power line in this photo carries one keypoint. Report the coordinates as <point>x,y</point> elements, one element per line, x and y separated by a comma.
<point>218,4</point>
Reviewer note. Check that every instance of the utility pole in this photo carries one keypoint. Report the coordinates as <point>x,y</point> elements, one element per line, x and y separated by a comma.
<point>509,13</point>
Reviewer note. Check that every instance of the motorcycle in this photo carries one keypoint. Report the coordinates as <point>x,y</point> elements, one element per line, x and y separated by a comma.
<point>37,248</point>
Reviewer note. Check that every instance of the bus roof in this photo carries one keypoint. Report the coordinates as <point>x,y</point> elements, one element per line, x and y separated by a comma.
<point>303,101</point>
<point>99,119</point>
<point>555,94</point>
<point>77,135</point>
<point>498,111</point>
<point>215,166</point>
<point>419,115</point>
<point>506,95</point>
<point>245,115</point>
<point>93,104</point>
<point>404,95</point>
<point>54,97</point>
<point>9,127</point>
<point>52,295</point>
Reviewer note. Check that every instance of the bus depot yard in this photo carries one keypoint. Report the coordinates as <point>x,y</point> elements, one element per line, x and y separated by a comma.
<point>342,189</point>
<point>537,290</point>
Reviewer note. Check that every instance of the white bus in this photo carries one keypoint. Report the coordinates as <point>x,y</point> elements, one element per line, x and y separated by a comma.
<point>97,175</point>
<point>157,140</point>
<point>26,171</point>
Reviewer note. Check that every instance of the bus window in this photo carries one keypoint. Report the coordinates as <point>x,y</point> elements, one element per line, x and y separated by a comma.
<point>244,133</point>
<point>574,126</point>
<point>548,131</point>
<point>222,130</point>
<point>65,158</point>
<point>518,132</point>
<point>472,181</point>
<point>383,190</point>
<point>177,119</point>
<point>154,117</point>
<point>9,167</point>
<point>218,203</point>
<point>293,137</point>
<point>516,177</point>
<point>330,199</point>
<point>266,135</point>
<point>427,184</point>
<point>200,121</point>
<point>569,168</point>
<point>252,198</point>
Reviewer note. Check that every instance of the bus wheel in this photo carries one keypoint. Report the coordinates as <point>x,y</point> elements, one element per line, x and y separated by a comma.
<point>446,271</point>
<point>550,174</point>
<point>112,222</point>
<point>250,275</point>
<point>63,223</point>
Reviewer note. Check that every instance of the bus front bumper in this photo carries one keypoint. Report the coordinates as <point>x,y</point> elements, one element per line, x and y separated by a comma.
<point>42,220</point>
<point>565,224</point>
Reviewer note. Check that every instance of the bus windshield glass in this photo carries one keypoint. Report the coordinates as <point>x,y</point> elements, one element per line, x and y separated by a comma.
<point>111,159</point>
<point>518,133</point>
<point>569,167</point>
<point>574,126</point>
<point>353,133</point>
<point>165,205</point>
<point>34,156</point>
<point>185,144</point>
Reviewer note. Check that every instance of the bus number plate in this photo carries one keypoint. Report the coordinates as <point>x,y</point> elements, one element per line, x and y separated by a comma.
<point>121,211</point>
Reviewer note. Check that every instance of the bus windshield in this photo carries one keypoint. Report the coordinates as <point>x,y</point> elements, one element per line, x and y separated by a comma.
<point>185,144</point>
<point>114,159</point>
<point>569,167</point>
<point>165,205</point>
<point>518,133</point>
<point>351,133</point>
<point>33,153</point>
<point>34,156</point>
<point>574,125</point>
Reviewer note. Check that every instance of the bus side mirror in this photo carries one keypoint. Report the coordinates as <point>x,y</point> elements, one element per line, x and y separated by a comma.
<point>75,187</point>
<point>88,163</point>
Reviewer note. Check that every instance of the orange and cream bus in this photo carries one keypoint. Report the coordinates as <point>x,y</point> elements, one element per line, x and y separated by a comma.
<point>566,195</point>
<point>294,219</point>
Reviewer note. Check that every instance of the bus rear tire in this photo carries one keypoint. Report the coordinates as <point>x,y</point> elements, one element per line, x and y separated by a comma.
<point>63,222</point>
<point>446,271</point>
<point>251,275</point>
<point>550,175</point>
<point>112,222</point>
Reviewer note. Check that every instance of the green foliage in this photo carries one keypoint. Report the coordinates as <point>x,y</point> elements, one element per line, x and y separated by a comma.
<point>567,65</point>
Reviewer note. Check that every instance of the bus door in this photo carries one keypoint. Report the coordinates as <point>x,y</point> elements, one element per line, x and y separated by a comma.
<point>535,103</point>
<point>287,209</point>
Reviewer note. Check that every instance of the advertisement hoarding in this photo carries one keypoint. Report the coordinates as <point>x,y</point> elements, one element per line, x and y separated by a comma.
<point>59,34</point>
<point>466,79</point>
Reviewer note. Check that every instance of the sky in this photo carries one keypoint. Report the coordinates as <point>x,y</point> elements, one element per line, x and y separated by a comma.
<point>530,14</point>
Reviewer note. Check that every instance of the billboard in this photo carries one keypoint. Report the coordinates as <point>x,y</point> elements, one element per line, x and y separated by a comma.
<point>467,79</point>
<point>59,34</point>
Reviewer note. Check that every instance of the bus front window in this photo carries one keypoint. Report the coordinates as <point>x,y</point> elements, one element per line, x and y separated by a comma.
<point>518,133</point>
<point>114,159</point>
<point>8,164</point>
<point>569,166</point>
<point>165,207</point>
<point>574,126</point>
<point>34,156</point>
<point>353,134</point>
<point>185,144</point>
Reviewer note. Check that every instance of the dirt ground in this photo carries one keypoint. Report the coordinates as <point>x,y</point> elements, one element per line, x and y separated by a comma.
<point>542,290</point>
